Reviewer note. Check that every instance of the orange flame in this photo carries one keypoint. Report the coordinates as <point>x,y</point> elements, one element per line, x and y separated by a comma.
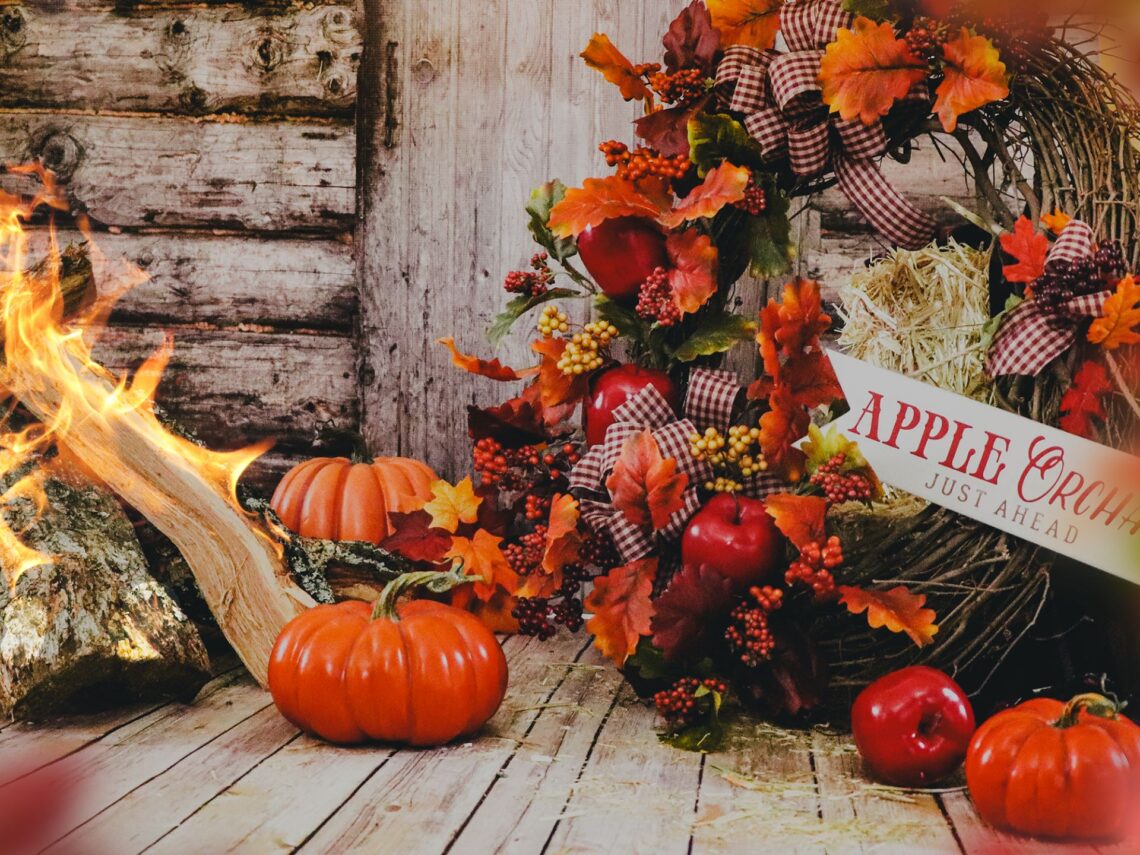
<point>40,343</point>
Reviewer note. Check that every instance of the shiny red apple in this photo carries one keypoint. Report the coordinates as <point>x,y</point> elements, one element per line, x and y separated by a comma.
<point>621,253</point>
<point>913,727</point>
<point>734,536</point>
<point>613,388</point>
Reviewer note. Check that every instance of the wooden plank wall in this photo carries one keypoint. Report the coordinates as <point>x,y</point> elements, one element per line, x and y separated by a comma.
<point>465,108</point>
<point>213,146</point>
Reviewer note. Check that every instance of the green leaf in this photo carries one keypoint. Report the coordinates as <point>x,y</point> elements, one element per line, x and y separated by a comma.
<point>715,138</point>
<point>876,10</point>
<point>542,202</point>
<point>648,662</point>
<point>519,306</point>
<point>705,736</point>
<point>993,325</point>
<point>770,236</point>
<point>628,324</point>
<point>715,334</point>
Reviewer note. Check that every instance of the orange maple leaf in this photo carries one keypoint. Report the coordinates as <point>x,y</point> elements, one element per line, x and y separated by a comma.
<point>600,54</point>
<point>1117,326</point>
<point>780,428</point>
<point>1056,222</point>
<point>897,609</point>
<point>601,199</point>
<point>692,277</point>
<point>867,69</point>
<point>1029,247</point>
<point>556,388</point>
<point>482,555</point>
<point>623,608</point>
<point>799,518</point>
<point>802,319</point>
<point>451,505</point>
<point>975,76</point>
<point>563,541</point>
<point>747,22</point>
<point>645,486</point>
<point>493,369</point>
<point>1083,401</point>
<point>722,186</point>
<point>495,613</point>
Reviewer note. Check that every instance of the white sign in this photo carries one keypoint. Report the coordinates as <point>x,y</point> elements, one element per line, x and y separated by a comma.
<point>1060,491</point>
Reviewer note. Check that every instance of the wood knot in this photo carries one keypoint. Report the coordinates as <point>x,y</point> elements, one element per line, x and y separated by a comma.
<point>193,99</point>
<point>269,53</point>
<point>13,31</point>
<point>423,72</point>
<point>60,152</point>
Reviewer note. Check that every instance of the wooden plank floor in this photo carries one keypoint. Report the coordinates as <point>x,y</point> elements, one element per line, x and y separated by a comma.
<point>570,764</point>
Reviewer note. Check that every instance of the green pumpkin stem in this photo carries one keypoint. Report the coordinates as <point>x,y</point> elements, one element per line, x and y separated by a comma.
<point>436,581</point>
<point>1090,702</point>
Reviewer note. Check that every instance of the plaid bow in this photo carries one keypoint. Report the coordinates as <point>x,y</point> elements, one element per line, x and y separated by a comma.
<point>709,402</point>
<point>781,99</point>
<point>1034,335</point>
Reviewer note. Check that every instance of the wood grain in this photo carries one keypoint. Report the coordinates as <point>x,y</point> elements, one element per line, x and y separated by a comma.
<point>91,56</point>
<point>135,171</point>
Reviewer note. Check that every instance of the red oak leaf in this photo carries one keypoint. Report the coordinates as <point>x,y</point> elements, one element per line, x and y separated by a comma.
<point>601,199</point>
<point>694,601</point>
<point>799,518</point>
<point>623,608</point>
<point>723,185</point>
<point>414,537</point>
<point>693,277</point>
<point>692,41</point>
<point>667,130</point>
<point>493,369</point>
<point>601,55</point>
<point>867,69</point>
<point>1083,401</point>
<point>897,609</point>
<point>1029,247</point>
<point>646,487</point>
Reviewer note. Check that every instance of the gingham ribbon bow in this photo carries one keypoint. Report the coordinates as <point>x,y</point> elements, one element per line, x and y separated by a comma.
<point>781,99</point>
<point>1034,335</point>
<point>709,402</point>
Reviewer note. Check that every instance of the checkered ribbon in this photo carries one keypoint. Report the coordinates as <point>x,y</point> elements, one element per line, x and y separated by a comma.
<point>781,99</point>
<point>710,401</point>
<point>1033,335</point>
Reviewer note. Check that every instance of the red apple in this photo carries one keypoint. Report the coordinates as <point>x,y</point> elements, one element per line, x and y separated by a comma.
<point>613,388</point>
<point>734,536</point>
<point>913,727</point>
<point>621,254</point>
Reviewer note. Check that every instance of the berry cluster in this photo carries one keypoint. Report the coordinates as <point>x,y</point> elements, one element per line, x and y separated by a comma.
<point>755,201</point>
<point>534,282</point>
<point>584,351</point>
<point>655,300</point>
<point>814,568</point>
<point>644,162</point>
<point>680,86</point>
<point>926,38</point>
<point>736,453</point>
<point>839,486</point>
<point>748,635</point>
<point>527,553</point>
<point>1064,280</point>
<point>553,320</point>
<point>506,467</point>
<point>541,616</point>
<point>537,507</point>
<point>681,707</point>
<point>598,550</point>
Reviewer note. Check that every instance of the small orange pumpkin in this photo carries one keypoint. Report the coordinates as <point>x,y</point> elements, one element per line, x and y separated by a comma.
<point>334,498</point>
<point>421,674</point>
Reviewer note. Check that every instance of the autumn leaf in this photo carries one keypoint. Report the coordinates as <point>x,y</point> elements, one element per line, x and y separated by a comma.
<point>601,55</point>
<point>482,555</point>
<point>802,319</point>
<point>1083,400</point>
<point>766,338</point>
<point>555,386</point>
<point>601,199</point>
<point>975,76</point>
<point>780,428</point>
<point>799,518</point>
<point>493,369</point>
<point>667,130</point>
<point>867,69</point>
<point>451,505</point>
<point>897,609</point>
<point>495,613</point>
<point>696,599</point>
<point>1121,317</point>
<point>691,41</point>
<point>724,185</point>
<point>822,448</point>
<point>646,487</point>
<point>1056,222</point>
<point>1029,247</point>
<point>812,380</point>
<point>623,608</point>
<point>414,537</point>
<point>563,542</point>
<point>693,269</point>
<point>754,23</point>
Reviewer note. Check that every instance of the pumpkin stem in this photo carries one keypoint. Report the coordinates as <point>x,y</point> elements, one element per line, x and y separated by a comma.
<point>1090,702</point>
<point>437,581</point>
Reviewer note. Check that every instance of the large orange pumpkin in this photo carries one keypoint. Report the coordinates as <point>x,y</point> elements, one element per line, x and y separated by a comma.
<point>1049,769</point>
<point>423,674</point>
<point>334,498</point>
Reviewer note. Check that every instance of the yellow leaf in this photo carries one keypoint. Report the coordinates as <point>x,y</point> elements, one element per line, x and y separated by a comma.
<point>866,70</point>
<point>754,23</point>
<point>451,505</point>
<point>1121,317</point>
<point>1056,222</point>
<point>975,76</point>
<point>897,609</point>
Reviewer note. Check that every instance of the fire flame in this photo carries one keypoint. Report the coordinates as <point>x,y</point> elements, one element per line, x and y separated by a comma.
<point>39,343</point>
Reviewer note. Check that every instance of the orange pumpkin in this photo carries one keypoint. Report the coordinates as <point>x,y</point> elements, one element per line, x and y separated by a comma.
<point>1047,769</point>
<point>423,674</point>
<point>334,498</point>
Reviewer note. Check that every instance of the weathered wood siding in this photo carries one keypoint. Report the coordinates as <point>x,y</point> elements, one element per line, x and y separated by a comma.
<point>214,147</point>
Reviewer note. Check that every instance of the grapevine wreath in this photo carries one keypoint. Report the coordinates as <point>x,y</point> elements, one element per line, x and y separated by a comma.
<point>719,541</point>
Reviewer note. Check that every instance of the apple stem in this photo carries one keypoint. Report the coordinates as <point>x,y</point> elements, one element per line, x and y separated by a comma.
<point>739,517</point>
